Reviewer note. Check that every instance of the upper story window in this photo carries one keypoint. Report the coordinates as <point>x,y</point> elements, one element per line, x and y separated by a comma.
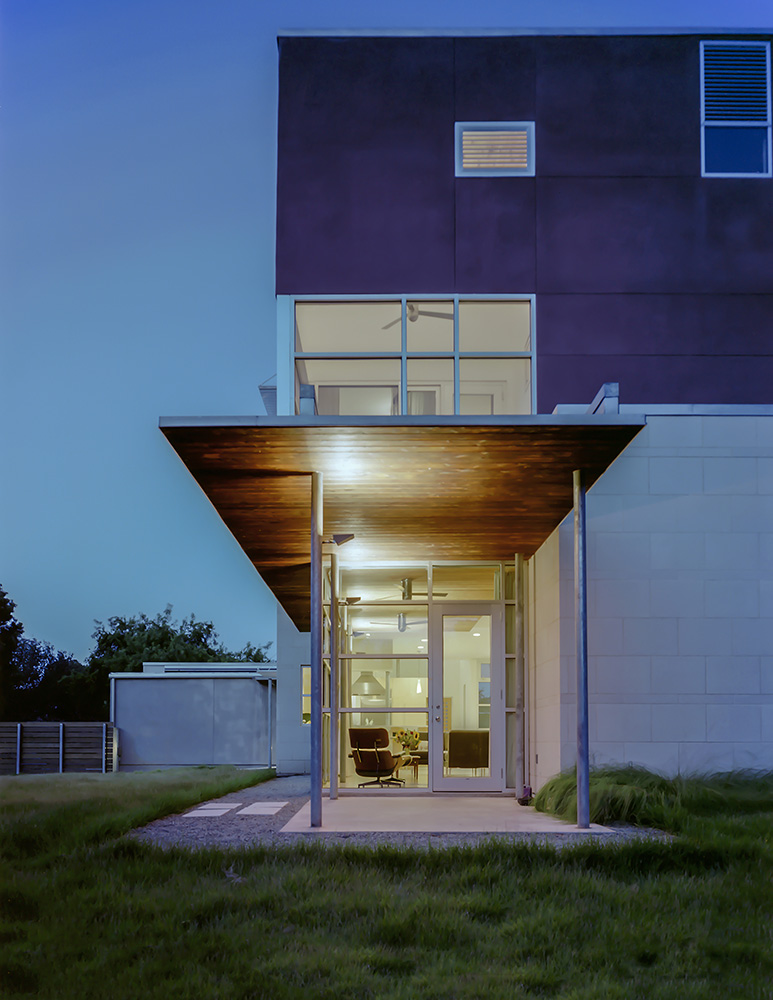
<point>735,109</point>
<point>422,357</point>
<point>494,149</point>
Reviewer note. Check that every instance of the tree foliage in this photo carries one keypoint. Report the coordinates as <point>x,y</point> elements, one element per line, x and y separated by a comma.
<point>10,633</point>
<point>49,684</point>
<point>39,682</point>
<point>127,643</point>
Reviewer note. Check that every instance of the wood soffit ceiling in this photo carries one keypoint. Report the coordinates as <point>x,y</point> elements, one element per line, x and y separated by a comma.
<point>407,490</point>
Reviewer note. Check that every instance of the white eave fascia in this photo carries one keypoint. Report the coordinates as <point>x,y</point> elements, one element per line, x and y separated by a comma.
<point>527,420</point>
<point>516,32</point>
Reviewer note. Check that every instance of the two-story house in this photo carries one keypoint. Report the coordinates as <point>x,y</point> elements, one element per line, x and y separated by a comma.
<point>478,240</point>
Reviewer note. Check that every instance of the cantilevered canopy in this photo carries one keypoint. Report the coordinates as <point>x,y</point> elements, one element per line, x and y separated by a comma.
<point>412,488</point>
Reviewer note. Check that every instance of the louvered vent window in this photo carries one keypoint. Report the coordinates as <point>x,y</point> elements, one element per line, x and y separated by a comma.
<point>495,149</point>
<point>735,109</point>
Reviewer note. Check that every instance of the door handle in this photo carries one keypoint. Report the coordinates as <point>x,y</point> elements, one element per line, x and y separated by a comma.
<point>437,718</point>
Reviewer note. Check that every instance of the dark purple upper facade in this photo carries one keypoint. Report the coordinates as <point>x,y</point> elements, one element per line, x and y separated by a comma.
<point>645,273</point>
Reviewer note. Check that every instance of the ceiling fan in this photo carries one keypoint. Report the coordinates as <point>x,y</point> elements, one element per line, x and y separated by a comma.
<point>402,623</point>
<point>413,313</point>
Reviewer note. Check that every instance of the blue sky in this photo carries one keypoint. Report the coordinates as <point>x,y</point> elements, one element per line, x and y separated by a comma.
<point>136,278</point>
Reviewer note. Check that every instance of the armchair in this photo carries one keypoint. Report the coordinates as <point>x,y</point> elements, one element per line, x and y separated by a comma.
<point>373,758</point>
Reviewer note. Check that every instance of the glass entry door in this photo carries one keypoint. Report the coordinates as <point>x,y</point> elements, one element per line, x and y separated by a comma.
<point>466,698</point>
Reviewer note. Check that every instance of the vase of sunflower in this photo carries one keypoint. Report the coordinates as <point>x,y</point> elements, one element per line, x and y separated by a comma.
<point>407,738</point>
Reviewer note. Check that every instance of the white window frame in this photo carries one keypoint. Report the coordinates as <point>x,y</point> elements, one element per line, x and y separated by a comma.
<point>286,353</point>
<point>735,124</point>
<point>461,127</point>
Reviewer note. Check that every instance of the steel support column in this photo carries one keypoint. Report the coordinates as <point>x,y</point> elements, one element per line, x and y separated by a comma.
<point>270,727</point>
<point>520,671</point>
<point>581,629</point>
<point>334,682</point>
<point>316,649</point>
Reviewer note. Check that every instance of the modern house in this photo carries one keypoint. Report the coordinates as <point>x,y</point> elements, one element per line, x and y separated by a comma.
<point>479,239</point>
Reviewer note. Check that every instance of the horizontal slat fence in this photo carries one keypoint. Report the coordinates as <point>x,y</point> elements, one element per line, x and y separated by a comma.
<point>46,747</point>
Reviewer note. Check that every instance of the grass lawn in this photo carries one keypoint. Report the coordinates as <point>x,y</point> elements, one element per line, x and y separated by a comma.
<point>85,914</point>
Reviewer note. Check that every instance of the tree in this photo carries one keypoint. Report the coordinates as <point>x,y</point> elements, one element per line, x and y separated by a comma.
<point>48,684</point>
<point>126,643</point>
<point>10,633</point>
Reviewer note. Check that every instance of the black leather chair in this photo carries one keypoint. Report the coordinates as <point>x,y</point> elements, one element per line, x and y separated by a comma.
<point>373,758</point>
<point>468,748</point>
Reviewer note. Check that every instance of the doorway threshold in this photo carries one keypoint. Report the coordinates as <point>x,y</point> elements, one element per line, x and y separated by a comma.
<point>423,793</point>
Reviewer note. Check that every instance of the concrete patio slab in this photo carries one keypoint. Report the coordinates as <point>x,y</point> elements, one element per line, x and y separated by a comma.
<point>430,814</point>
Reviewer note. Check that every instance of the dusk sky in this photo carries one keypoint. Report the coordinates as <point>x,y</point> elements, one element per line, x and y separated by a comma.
<point>137,178</point>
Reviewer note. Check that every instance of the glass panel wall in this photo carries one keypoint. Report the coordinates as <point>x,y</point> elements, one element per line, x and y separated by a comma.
<point>343,387</point>
<point>306,696</point>
<point>404,734</point>
<point>374,684</point>
<point>384,664</point>
<point>430,386</point>
<point>466,695</point>
<point>430,326</point>
<point>348,327</point>
<point>384,630</point>
<point>494,385</point>
<point>494,326</point>
<point>466,582</point>
<point>423,357</point>
<point>369,584</point>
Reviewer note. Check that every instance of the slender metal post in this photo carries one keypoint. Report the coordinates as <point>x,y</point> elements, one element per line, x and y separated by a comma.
<point>528,631</point>
<point>520,649</point>
<point>270,727</point>
<point>581,629</point>
<point>18,747</point>
<point>334,694</point>
<point>104,748</point>
<point>61,747</point>
<point>316,649</point>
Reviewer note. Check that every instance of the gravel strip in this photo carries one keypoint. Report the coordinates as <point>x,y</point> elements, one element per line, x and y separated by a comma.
<point>231,830</point>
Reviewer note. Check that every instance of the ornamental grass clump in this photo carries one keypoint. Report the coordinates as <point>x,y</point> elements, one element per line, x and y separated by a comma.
<point>629,794</point>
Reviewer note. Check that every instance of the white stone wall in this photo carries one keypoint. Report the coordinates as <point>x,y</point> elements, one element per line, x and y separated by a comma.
<point>544,663</point>
<point>680,588</point>
<point>293,748</point>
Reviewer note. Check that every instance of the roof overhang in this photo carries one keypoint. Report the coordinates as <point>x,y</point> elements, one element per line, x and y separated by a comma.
<point>410,488</point>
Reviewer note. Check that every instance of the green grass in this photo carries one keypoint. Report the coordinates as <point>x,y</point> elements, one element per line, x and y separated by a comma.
<point>44,816</point>
<point>689,919</point>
